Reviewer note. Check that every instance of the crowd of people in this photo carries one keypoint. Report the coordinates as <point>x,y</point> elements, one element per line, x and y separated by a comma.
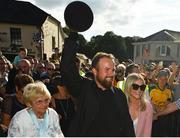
<point>108,98</point>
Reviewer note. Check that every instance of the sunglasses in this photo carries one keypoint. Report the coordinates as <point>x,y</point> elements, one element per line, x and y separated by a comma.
<point>136,87</point>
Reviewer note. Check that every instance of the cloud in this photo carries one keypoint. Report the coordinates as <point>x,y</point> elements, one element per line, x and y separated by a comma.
<point>123,17</point>
<point>49,4</point>
<point>113,12</point>
<point>119,12</point>
<point>96,5</point>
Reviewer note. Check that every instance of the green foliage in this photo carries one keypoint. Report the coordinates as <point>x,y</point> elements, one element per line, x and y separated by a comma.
<point>120,47</point>
<point>117,45</point>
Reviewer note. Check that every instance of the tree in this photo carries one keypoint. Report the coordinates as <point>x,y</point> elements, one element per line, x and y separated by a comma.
<point>109,43</point>
<point>129,46</point>
<point>120,47</point>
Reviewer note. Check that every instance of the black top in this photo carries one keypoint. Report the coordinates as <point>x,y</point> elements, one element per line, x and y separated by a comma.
<point>96,115</point>
<point>11,105</point>
<point>108,121</point>
<point>65,108</point>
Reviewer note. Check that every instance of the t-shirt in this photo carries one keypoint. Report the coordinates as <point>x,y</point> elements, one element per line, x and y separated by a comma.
<point>16,60</point>
<point>160,98</point>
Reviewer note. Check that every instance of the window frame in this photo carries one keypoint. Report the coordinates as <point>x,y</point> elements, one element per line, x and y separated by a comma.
<point>15,36</point>
<point>163,50</point>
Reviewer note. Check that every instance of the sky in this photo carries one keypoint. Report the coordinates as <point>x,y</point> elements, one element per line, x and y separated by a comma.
<point>123,17</point>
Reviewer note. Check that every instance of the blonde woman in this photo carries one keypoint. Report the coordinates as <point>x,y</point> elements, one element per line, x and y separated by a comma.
<point>14,103</point>
<point>140,109</point>
<point>37,120</point>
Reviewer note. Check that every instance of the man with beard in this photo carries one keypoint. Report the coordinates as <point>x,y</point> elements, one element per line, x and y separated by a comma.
<point>101,109</point>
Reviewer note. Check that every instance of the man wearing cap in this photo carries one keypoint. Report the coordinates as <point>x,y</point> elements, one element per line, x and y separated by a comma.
<point>161,93</point>
<point>172,109</point>
<point>161,96</point>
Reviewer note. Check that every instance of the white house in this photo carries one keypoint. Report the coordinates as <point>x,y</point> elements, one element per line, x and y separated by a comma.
<point>22,24</point>
<point>161,46</point>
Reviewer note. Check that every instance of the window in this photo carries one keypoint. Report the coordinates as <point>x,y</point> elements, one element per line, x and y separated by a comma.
<point>53,42</point>
<point>163,50</point>
<point>15,36</point>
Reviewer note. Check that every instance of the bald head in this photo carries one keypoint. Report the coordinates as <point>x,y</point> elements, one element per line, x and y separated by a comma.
<point>24,66</point>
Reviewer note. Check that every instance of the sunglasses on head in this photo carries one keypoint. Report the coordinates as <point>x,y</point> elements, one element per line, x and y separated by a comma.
<point>136,87</point>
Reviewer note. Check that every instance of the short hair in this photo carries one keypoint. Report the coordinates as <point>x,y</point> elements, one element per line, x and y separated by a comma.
<point>34,91</point>
<point>99,56</point>
<point>121,66</point>
<point>168,71</point>
<point>130,67</point>
<point>56,81</point>
<point>21,80</point>
<point>25,61</point>
<point>50,64</point>
<point>23,49</point>
<point>163,73</point>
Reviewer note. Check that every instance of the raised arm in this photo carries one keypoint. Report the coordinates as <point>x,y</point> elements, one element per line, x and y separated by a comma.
<point>69,71</point>
<point>172,76</point>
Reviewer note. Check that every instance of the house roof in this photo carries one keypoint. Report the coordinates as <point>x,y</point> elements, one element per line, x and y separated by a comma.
<point>164,35</point>
<point>20,12</point>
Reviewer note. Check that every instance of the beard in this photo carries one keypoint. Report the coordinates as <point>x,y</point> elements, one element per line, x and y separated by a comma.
<point>106,82</point>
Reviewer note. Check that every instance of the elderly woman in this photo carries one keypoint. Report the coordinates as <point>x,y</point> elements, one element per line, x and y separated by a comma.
<point>140,109</point>
<point>14,103</point>
<point>37,120</point>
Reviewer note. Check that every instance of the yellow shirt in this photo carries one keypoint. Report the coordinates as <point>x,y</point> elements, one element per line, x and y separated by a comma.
<point>121,85</point>
<point>160,98</point>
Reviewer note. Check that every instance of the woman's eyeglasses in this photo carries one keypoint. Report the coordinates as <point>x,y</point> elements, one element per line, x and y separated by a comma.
<point>40,102</point>
<point>136,87</point>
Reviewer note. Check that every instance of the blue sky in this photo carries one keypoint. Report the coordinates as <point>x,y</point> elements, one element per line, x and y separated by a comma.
<point>123,17</point>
